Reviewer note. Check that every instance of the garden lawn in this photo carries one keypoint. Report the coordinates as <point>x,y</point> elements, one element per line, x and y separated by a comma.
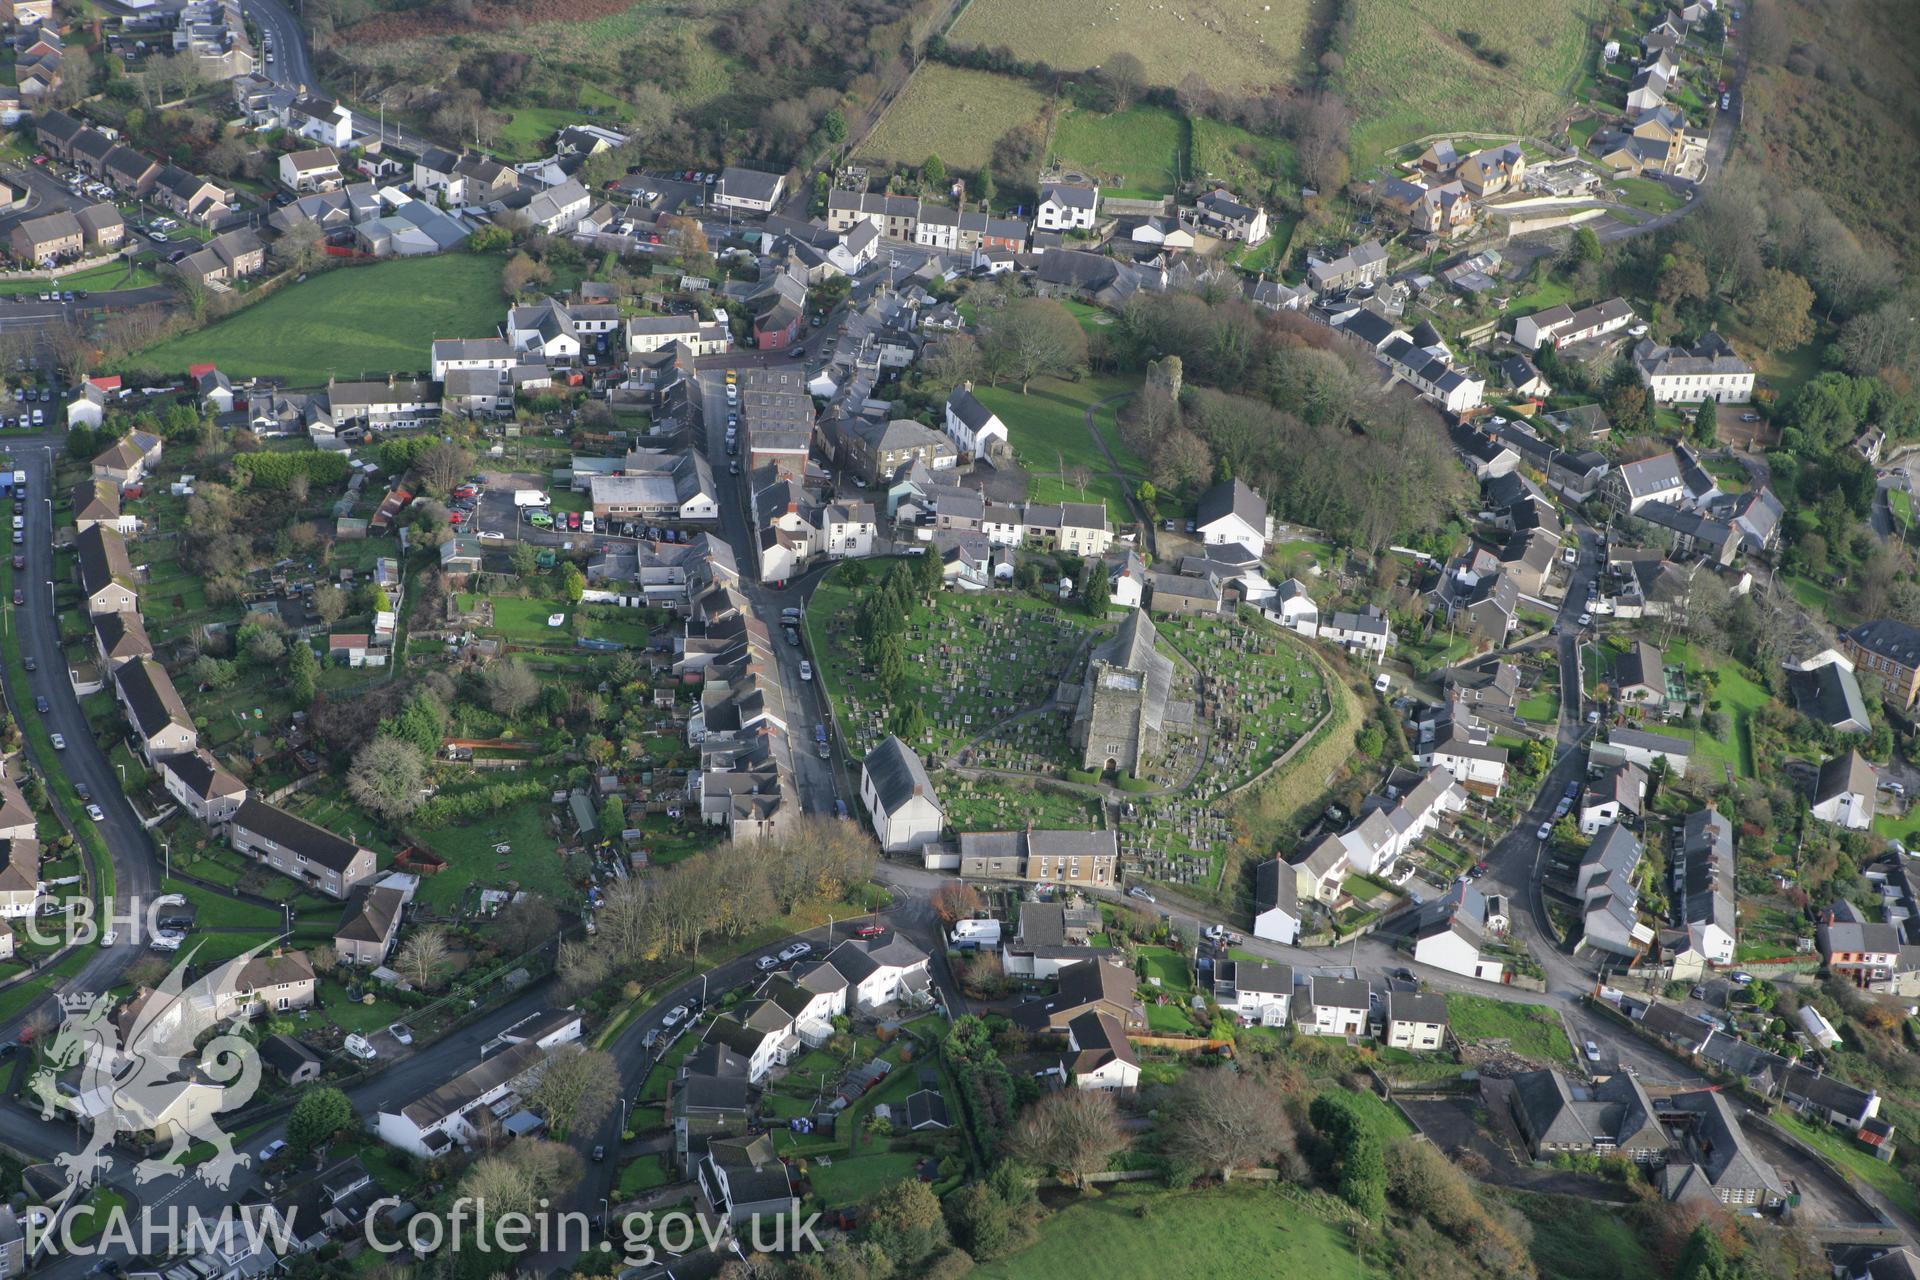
<point>852,1179</point>
<point>1048,429</point>
<point>1135,154</point>
<point>533,861</point>
<point>359,322</point>
<point>1542,706</point>
<point>1131,1233</point>
<point>1737,696</point>
<point>643,1174</point>
<point>1530,1030</point>
<point>1169,966</point>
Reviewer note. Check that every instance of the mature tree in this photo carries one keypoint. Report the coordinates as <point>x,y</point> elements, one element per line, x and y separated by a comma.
<point>577,1089</point>
<point>329,603</point>
<point>573,582</point>
<point>316,1118</point>
<point>526,559</point>
<point>1779,310</point>
<point>423,955</point>
<point>905,1221</point>
<point>303,672</point>
<point>511,687</point>
<point>1074,1131</point>
<point>934,173</point>
<point>954,900</point>
<point>1682,276</point>
<point>1706,424</point>
<point>1227,1121</point>
<point>523,273</point>
<point>1097,593</point>
<point>1033,338</point>
<point>387,777</point>
<point>1183,459</point>
<point>524,923</point>
<point>1124,75</point>
<point>302,247</point>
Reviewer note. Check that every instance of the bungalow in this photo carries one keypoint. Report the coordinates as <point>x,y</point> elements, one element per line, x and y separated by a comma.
<point>449,1116</point>
<point>296,848</point>
<point>900,798</point>
<point>291,1060</point>
<point>748,190</point>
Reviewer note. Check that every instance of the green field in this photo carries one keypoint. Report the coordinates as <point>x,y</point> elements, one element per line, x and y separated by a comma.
<point>349,323</point>
<point>1134,154</point>
<point>1411,72</point>
<point>953,113</point>
<point>1854,1161</point>
<point>1244,161</point>
<point>1579,1240</point>
<point>1647,195</point>
<point>112,275</point>
<point>1739,698</point>
<point>1235,45</point>
<point>1048,430</point>
<point>1529,1030</point>
<point>1132,1233</point>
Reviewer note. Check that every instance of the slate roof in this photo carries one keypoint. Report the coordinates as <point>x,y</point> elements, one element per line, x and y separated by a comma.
<point>1232,497</point>
<point>1829,694</point>
<point>898,774</point>
<point>204,776</point>
<point>290,832</point>
<point>1889,638</point>
<point>151,697</point>
<point>1846,773</point>
<point>1416,1006</point>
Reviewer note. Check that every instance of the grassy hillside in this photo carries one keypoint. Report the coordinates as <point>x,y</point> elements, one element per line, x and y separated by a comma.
<point>953,113</point>
<point>1415,67</point>
<point>350,322</point>
<point>1234,45</point>
<point>1831,106</point>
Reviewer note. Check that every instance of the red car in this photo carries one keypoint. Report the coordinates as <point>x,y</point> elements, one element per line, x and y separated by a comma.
<point>573,521</point>
<point>19,562</point>
<point>467,491</point>
<point>869,931</point>
<point>455,518</point>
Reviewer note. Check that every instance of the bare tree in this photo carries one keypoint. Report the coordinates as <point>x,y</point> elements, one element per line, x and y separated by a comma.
<point>442,466</point>
<point>577,1089</point>
<point>954,900</point>
<point>1075,1132</point>
<point>511,687</point>
<point>387,777</point>
<point>301,246</point>
<point>423,955</point>
<point>1032,338</point>
<point>1225,1121</point>
<point>329,604</point>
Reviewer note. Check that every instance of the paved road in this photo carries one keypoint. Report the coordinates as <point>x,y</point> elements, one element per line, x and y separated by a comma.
<point>135,872</point>
<point>292,64</point>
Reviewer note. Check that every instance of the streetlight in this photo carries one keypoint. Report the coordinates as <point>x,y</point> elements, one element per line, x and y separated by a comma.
<point>603,1215</point>
<point>166,852</point>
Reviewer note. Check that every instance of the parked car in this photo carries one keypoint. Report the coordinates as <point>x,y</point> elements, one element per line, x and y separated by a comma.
<point>1546,829</point>
<point>59,742</point>
<point>869,931</point>
<point>806,669</point>
<point>360,1047</point>
<point>599,1152</point>
<point>1592,1051</point>
<point>795,951</point>
<point>765,963</point>
<point>401,1031</point>
<point>272,1149</point>
<point>41,705</point>
<point>1140,892</point>
<point>675,1016</point>
<point>95,812</point>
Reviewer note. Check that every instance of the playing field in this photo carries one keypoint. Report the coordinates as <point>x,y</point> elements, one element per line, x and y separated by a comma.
<point>953,113</point>
<point>361,322</point>
<point>1234,45</point>
<point>1418,67</point>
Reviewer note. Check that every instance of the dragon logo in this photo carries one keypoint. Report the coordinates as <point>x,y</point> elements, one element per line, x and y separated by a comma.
<point>149,1069</point>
